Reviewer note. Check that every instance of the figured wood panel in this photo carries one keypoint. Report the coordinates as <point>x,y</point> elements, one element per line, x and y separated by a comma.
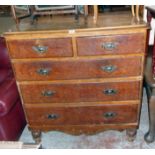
<point>78,69</point>
<point>79,92</point>
<point>111,44</point>
<point>54,47</point>
<point>104,114</point>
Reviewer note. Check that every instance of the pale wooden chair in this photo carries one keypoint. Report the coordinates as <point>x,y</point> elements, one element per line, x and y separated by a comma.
<point>136,10</point>
<point>23,11</point>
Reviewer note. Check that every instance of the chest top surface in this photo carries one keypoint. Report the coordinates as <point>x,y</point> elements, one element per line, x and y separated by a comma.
<point>68,24</point>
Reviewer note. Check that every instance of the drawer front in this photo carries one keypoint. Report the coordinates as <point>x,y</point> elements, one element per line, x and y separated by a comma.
<point>40,48</point>
<point>105,114</point>
<point>105,45</point>
<point>80,92</point>
<point>80,69</point>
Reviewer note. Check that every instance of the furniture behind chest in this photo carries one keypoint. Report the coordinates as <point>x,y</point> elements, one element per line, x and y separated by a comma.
<point>80,77</point>
<point>150,82</point>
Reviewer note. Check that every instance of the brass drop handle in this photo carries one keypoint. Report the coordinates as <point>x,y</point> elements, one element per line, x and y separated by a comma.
<point>52,116</point>
<point>109,68</point>
<point>110,91</point>
<point>43,71</point>
<point>109,45</point>
<point>48,93</point>
<point>110,115</point>
<point>40,49</point>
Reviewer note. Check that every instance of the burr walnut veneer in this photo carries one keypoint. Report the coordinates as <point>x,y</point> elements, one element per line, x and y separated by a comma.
<point>79,76</point>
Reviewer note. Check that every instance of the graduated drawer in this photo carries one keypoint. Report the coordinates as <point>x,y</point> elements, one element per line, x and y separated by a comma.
<point>114,44</point>
<point>77,69</point>
<point>40,48</point>
<point>79,92</point>
<point>106,114</point>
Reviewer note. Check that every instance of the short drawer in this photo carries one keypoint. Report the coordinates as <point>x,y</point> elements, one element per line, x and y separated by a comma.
<point>40,48</point>
<point>106,114</point>
<point>80,92</point>
<point>114,44</point>
<point>77,69</point>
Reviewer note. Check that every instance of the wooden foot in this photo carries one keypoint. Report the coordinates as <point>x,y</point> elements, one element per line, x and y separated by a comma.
<point>36,136</point>
<point>131,134</point>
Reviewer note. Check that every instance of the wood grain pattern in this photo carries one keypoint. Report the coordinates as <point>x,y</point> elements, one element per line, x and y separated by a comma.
<point>82,115</point>
<point>84,92</point>
<point>56,48</point>
<point>78,69</point>
<point>130,43</point>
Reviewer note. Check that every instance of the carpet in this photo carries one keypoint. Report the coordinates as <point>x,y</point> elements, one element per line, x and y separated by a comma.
<point>104,140</point>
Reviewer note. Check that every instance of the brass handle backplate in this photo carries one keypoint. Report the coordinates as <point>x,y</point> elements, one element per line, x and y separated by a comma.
<point>109,68</point>
<point>109,115</point>
<point>110,91</point>
<point>43,71</point>
<point>40,49</point>
<point>48,93</point>
<point>109,45</point>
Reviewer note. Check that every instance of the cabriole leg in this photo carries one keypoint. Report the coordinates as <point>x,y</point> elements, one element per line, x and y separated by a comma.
<point>150,135</point>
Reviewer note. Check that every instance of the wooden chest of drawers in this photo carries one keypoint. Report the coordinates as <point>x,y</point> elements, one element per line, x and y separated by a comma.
<point>80,81</point>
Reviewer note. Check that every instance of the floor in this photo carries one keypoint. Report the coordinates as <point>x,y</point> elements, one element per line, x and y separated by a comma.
<point>104,140</point>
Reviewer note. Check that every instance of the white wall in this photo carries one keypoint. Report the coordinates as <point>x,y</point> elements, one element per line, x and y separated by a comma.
<point>152,32</point>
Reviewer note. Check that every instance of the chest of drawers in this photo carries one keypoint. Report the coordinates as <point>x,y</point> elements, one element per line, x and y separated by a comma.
<point>81,81</point>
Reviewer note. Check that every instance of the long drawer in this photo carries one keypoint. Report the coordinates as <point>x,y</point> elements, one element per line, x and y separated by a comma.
<point>114,44</point>
<point>105,114</point>
<point>41,48</point>
<point>79,92</point>
<point>77,69</point>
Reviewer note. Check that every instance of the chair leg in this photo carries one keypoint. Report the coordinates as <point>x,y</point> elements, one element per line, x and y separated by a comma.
<point>86,10</point>
<point>133,11</point>
<point>14,14</point>
<point>137,12</point>
<point>95,13</point>
<point>76,12</point>
<point>150,135</point>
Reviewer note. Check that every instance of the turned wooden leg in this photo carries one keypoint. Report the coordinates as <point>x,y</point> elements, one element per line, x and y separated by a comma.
<point>36,136</point>
<point>150,135</point>
<point>131,134</point>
